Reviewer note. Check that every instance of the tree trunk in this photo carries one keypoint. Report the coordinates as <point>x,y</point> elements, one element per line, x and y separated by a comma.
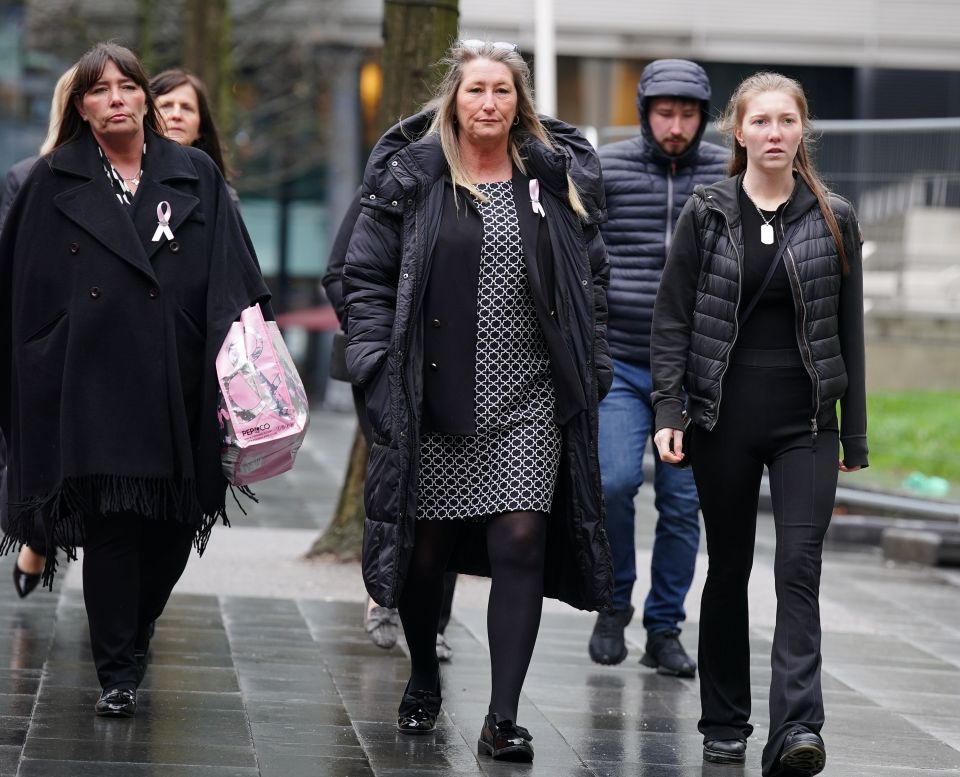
<point>343,536</point>
<point>417,33</point>
<point>207,33</point>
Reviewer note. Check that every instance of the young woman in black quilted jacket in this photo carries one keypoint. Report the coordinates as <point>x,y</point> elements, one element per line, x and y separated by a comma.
<point>757,335</point>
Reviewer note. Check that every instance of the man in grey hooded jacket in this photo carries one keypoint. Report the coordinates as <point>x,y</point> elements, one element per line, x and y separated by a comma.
<point>647,180</point>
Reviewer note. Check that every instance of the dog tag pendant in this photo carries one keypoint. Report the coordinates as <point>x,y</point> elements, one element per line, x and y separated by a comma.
<point>766,234</point>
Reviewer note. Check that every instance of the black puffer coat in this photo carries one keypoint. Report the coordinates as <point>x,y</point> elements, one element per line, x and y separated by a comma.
<point>646,189</point>
<point>385,279</point>
<point>694,323</point>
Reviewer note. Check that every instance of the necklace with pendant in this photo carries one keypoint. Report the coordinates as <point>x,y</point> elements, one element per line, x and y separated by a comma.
<point>766,228</point>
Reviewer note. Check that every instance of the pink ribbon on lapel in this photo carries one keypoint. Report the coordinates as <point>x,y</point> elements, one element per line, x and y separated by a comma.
<point>163,222</point>
<point>535,197</point>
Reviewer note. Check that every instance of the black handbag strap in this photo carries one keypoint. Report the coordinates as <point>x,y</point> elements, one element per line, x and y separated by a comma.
<point>770,271</point>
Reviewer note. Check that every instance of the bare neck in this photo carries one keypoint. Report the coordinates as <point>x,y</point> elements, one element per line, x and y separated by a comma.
<point>487,164</point>
<point>125,154</point>
<point>768,190</point>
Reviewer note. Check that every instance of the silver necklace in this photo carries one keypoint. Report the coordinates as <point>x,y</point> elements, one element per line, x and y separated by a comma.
<point>766,228</point>
<point>136,179</point>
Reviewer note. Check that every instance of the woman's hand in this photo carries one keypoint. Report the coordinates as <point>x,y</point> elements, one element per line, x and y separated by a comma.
<point>668,441</point>
<point>845,468</point>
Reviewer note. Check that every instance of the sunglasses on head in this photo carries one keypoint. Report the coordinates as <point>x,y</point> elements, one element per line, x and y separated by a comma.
<point>500,45</point>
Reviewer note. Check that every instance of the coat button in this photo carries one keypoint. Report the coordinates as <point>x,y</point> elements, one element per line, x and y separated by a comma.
<point>74,248</point>
<point>94,291</point>
<point>435,323</point>
<point>154,292</point>
<point>174,246</point>
<point>433,366</point>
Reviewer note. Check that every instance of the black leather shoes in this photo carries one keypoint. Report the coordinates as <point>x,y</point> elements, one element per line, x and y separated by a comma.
<point>725,751</point>
<point>117,703</point>
<point>665,654</point>
<point>419,711</point>
<point>24,582</point>
<point>504,740</point>
<point>607,645</point>
<point>803,753</point>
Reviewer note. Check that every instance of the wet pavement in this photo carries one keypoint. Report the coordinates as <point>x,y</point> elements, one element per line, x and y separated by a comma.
<point>260,666</point>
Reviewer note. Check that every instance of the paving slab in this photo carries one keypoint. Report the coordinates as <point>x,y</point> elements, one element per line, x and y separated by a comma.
<point>260,668</point>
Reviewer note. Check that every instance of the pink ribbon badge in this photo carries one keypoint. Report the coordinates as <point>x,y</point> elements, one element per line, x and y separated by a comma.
<point>163,222</point>
<point>535,197</point>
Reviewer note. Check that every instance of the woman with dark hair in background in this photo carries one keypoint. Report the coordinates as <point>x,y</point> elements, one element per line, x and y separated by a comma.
<point>184,106</point>
<point>122,266</point>
<point>757,335</point>
<point>475,287</point>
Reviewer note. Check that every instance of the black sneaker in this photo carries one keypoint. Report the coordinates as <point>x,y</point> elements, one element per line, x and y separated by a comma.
<point>606,642</point>
<point>725,751</point>
<point>665,654</point>
<point>803,753</point>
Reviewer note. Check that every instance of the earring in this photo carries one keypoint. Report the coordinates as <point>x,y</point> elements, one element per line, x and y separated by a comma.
<point>516,120</point>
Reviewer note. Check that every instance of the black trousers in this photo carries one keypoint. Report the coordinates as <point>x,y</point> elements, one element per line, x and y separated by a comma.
<point>130,566</point>
<point>764,421</point>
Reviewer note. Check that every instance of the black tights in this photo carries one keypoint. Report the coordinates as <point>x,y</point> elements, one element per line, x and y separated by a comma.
<point>516,544</point>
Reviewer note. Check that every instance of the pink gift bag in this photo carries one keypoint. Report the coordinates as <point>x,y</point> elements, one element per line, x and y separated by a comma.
<point>263,407</point>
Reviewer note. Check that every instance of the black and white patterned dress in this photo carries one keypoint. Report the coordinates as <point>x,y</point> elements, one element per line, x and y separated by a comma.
<point>511,463</point>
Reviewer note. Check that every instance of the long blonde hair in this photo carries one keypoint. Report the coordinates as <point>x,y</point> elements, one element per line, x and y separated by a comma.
<point>759,83</point>
<point>58,104</point>
<point>444,121</point>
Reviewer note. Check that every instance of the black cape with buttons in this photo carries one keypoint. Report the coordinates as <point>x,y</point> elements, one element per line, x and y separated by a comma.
<point>108,392</point>
<point>396,253</point>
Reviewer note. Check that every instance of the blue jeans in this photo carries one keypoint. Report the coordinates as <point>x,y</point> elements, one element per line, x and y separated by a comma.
<point>626,422</point>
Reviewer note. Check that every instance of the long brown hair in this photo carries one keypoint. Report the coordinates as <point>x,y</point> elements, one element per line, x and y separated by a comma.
<point>445,120</point>
<point>759,83</point>
<point>209,139</point>
<point>89,69</point>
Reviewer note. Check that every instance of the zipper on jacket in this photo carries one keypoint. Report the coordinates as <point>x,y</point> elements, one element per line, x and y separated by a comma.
<point>736,310</point>
<point>802,339</point>
<point>668,237</point>
<point>401,356</point>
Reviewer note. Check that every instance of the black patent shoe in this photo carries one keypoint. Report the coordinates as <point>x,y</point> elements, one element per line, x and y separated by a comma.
<point>803,753</point>
<point>419,711</point>
<point>725,751</point>
<point>24,582</point>
<point>665,654</point>
<point>504,740</point>
<point>117,703</point>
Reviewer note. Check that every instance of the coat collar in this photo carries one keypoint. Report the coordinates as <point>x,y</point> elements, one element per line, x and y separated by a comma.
<point>91,203</point>
<point>724,195</point>
<point>406,158</point>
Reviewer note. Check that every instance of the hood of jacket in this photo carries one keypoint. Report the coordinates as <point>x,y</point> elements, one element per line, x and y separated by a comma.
<point>673,78</point>
<point>407,157</point>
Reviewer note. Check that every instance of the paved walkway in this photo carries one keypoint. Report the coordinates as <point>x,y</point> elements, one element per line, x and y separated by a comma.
<point>260,667</point>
